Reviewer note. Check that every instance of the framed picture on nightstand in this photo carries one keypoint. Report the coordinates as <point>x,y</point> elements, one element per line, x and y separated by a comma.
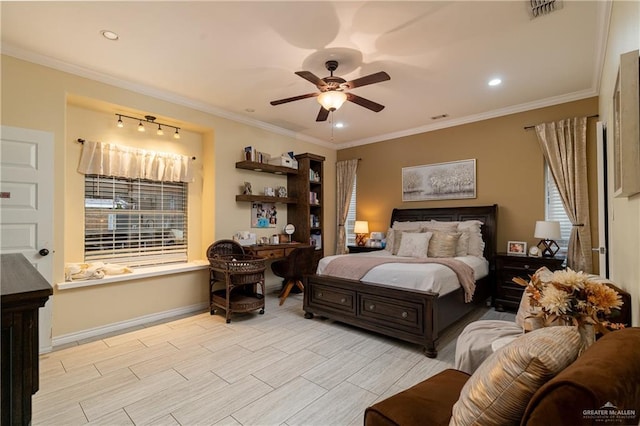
<point>518,248</point>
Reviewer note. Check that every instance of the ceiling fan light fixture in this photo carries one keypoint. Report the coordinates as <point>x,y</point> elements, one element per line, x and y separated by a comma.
<point>332,100</point>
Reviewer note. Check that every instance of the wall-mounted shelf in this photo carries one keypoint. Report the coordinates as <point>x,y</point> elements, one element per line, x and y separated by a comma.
<point>266,199</point>
<point>266,168</point>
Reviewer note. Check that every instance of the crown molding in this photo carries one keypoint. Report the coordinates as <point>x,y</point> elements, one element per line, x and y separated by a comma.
<point>542,103</point>
<point>164,95</point>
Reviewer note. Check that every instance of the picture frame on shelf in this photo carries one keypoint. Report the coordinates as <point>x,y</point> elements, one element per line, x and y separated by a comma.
<point>517,248</point>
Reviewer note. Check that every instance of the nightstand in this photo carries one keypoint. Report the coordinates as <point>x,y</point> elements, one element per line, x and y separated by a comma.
<point>362,249</point>
<point>508,293</point>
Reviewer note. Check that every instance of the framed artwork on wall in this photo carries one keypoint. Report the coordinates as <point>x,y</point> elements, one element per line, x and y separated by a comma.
<point>441,181</point>
<point>264,215</point>
<point>626,127</point>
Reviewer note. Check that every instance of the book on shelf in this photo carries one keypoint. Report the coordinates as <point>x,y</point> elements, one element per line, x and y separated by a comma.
<point>249,153</point>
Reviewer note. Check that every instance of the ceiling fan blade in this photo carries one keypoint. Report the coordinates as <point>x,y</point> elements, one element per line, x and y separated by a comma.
<point>367,79</point>
<point>309,76</point>
<point>295,98</point>
<point>373,106</point>
<point>323,114</point>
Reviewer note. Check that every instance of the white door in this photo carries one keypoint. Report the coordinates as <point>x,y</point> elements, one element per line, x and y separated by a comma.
<point>26,206</point>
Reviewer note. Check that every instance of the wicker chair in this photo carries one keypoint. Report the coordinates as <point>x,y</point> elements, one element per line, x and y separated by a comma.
<point>223,247</point>
<point>297,264</point>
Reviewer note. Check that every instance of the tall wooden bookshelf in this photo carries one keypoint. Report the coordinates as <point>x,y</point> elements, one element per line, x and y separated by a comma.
<point>307,214</point>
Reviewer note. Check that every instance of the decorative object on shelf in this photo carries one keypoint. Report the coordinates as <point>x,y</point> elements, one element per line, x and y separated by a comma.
<point>376,240</point>
<point>263,215</point>
<point>245,238</point>
<point>361,229</point>
<point>247,188</point>
<point>269,192</point>
<point>442,181</point>
<point>282,191</point>
<point>289,229</point>
<point>518,248</point>
<point>568,297</point>
<point>534,252</point>
<point>149,119</point>
<point>548,231</point>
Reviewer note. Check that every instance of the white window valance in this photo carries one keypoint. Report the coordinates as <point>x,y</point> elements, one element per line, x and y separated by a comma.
<point>106,159</point>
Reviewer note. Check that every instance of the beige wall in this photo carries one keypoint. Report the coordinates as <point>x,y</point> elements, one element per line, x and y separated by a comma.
<point>37,97</point>
<point>509,163</point>
<point>624,36</point>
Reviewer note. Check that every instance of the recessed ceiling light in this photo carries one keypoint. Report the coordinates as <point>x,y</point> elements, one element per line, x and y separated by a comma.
<point>109,35</point>
<point>495,82</point>
<point>250,110</point>
<point>339,125</point>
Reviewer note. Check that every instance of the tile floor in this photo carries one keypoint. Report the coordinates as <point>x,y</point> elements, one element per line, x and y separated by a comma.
<point>273,369</point>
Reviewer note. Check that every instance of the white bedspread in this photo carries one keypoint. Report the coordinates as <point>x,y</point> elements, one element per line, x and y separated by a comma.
<point>415,276</point>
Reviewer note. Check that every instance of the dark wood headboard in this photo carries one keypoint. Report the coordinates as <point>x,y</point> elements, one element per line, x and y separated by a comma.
<point>486,214</point>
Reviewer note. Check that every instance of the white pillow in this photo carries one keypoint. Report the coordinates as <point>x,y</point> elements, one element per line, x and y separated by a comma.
<point>406,226</point>
<point>476,243</point>
<point>414,244</point>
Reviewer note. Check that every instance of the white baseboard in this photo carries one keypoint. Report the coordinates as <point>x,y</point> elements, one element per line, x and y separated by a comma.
<point>122,325</point>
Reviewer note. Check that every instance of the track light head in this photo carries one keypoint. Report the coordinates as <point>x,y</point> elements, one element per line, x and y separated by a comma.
<point>140,126</point>
<point>120,123</point>
<point>159,132</point>
<point>176,135</point>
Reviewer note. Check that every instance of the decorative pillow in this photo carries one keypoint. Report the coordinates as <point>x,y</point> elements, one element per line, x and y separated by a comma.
<point>476,243</point>
<point>414,244</point>
<point>388,242</point>
<point>462,248</point>
<point>443,244</point>
<point>435,225</point>
<point>397,239</point>
<point>500,389</point>
<point>406,226</point>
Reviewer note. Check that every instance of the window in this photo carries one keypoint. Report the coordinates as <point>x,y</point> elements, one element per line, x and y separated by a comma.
<point>351,217</point>
<point>554,209</point>
<point>135,222</point>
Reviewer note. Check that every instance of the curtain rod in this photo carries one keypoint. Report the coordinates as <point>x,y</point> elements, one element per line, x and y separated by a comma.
<point>81,141</point>
<point>533,127</point>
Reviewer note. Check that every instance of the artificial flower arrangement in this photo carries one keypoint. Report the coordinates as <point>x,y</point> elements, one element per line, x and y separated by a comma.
<point>571,298</point>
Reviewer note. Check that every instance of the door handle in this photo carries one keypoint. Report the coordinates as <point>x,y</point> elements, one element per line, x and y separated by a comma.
<point>43,252</point>
<point>600,250</point>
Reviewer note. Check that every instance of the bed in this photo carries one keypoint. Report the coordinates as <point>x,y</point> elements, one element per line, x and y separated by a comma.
<point>408,314</point>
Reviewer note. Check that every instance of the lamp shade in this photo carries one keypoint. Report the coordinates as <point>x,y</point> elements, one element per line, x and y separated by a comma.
<point>547,230</point>
<point>332,99</point>
<point>361,227</point>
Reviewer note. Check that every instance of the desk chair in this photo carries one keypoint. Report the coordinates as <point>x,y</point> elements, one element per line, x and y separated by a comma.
<point>297,264</point>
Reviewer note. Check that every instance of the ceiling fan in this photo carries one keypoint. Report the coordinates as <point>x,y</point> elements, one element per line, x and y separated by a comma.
<point>332,94</point>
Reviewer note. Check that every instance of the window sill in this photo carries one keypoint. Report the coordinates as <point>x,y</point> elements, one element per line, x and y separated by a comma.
<point>137,274</point>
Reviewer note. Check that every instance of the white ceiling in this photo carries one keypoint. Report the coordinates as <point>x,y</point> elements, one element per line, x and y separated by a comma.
<point>229,58</point>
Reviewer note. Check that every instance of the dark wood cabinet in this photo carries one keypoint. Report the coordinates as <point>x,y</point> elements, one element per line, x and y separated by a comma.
<point>307,214</point>
<point>508,293</point>
<point>24,291</point>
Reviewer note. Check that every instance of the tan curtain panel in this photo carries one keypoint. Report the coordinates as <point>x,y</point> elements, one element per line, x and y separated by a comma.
<point>564,145</point>
<point>346,174</point>
<point>122,161</point>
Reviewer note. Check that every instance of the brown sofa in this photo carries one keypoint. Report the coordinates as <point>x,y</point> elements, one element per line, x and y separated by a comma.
<point>606,374</point>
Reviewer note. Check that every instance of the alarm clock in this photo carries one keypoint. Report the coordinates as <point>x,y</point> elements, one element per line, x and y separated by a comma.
<point>534,251</point>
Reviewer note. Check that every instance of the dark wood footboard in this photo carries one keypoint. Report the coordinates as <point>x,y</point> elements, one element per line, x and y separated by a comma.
<point>409,315</point>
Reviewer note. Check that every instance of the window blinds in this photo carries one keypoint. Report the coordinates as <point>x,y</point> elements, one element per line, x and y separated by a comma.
<point>135,222</point>
<point>351,216</point>
<point>555,209</point>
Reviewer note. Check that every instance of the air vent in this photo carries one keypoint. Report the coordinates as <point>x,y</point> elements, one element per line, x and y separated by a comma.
<point>544,7</point>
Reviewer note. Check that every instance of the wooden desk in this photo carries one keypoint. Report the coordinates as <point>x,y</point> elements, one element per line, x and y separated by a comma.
<point>272,251</point>
<point>24,291</point>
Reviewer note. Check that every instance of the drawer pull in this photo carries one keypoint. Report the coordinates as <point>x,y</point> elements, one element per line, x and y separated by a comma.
<point>319,294</point>
<point>343,300</point>
<point>372,307</point>
<point>526,266</point>
<point>404,315</point>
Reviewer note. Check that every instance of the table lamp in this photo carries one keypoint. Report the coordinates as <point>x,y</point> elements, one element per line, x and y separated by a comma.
<point>548,231</point>
<point>361,229</point>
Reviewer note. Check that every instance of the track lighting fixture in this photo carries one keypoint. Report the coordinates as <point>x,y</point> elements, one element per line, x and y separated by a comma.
<point>148,119</point>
